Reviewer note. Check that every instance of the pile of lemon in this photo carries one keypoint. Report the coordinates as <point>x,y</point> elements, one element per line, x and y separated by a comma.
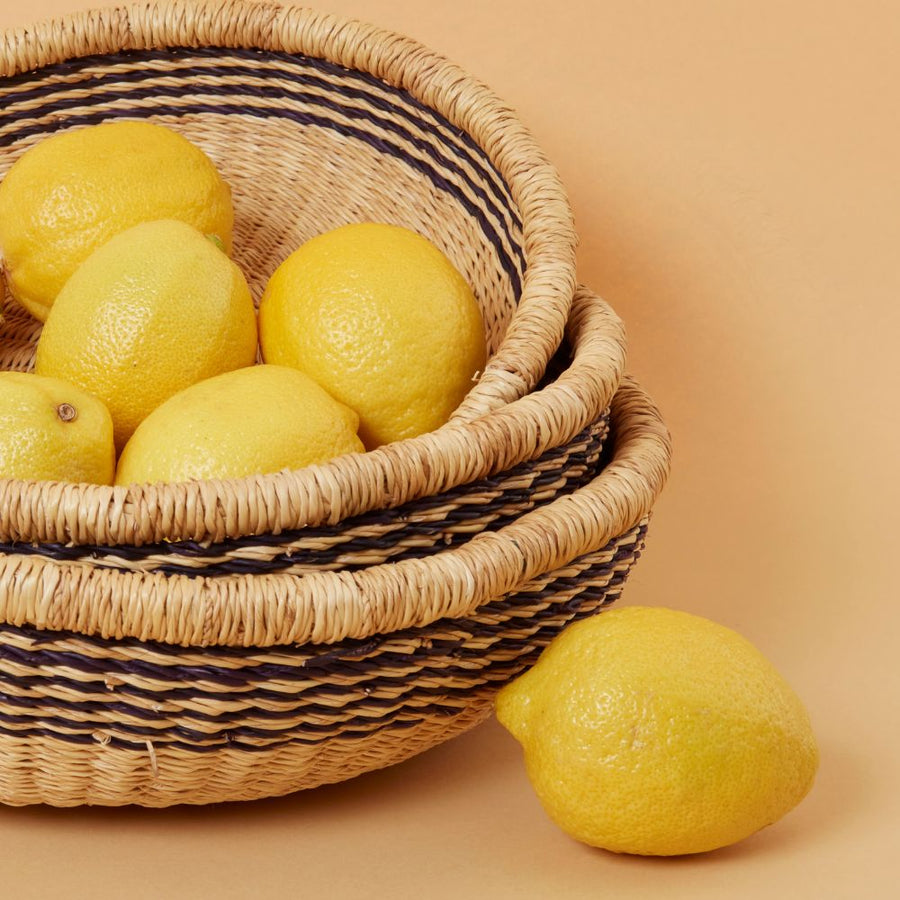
<point>118,237</point>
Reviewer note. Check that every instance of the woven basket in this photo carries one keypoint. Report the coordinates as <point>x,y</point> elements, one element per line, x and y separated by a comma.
<point>226,640</point>
<point>90,720</point>
<point>414,529</point>
<point>315,121</point>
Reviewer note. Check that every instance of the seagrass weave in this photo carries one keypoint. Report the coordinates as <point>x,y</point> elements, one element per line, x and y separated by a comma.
<point>576,394</point>
<point>171,590</point>
<point>314,121</point>
<point>90,720</point>
<point>228,640</point>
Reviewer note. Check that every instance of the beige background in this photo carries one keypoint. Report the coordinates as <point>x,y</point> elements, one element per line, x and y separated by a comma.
<point>735,173</point>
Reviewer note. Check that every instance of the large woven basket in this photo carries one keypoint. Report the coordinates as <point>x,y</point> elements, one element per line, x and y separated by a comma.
<point>347,672</point>
<point>132,677</point>
<point>230,640</point>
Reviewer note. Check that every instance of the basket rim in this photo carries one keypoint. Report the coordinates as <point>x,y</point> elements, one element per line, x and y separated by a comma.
<point>549,239</point>
<point>266,610</point>
<point>456,454</point>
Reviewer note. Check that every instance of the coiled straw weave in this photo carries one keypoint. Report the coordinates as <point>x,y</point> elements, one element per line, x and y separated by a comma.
<point>87,719</point>
<point>314,121</point>
<point>228,640</point>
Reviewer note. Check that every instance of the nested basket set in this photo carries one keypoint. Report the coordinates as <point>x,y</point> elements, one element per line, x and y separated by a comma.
<point>229,640</point>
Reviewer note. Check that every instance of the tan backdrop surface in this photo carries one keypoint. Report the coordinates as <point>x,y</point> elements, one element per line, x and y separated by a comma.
<point>734,172</point>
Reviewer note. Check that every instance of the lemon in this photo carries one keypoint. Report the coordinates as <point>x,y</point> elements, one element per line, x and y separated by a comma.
<point>380,318</point>
<point>70,193</point>
<point>157,308</point>
<point>50,430</point>
<point>252,421</point>
<point>656,732</point>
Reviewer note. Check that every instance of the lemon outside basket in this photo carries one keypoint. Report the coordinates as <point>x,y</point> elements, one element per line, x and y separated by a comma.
<point>240,639</point>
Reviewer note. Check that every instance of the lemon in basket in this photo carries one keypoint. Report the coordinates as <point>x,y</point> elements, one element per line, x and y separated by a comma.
<point>70,193</point>
<point>383,321</point>
<point>157,308</point>
<point>656,732</point>
<point>50,430</point>
<point>254,420</point>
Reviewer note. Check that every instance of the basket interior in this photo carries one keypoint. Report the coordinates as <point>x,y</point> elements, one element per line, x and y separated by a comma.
<point>305,144</point>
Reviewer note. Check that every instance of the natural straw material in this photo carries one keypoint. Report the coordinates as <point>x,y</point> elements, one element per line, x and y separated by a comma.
<point>227,640</point>
<point>521,434</point>
<point>431,522</point>
<point>314,121</point>
<point>415,529</point>
<point>88,720</point>
<point>100,591</point>
<point>263,610</point>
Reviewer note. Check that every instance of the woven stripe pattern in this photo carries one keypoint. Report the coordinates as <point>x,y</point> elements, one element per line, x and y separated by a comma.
<point>314,121</point>
<point>411,531</point>
<point>88,720</point>
<point>229,640</point>
<point>143,698</point>
<point>274,127</point>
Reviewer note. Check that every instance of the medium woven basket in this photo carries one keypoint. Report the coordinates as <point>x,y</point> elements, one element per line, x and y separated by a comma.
<point>227,640</point>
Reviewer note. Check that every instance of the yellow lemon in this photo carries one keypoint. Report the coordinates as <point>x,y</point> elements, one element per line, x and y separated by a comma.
<point>656,732</point>
<point>379,317</point>
<point>252,421</point>
<point>157,308</point>
<point>50,430</point>
<point>69,194</point>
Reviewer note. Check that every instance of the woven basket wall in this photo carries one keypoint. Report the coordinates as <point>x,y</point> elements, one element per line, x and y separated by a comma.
<point>314,121</point>
<point>91,720</point>
<point>235,639</point>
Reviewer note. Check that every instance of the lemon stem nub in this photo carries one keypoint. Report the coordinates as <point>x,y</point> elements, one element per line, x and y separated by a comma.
<point>67,412</point>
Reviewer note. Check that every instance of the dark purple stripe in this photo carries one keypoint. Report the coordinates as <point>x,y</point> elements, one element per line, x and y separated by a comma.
<point>119,744</point>
<point>272,93</point>
<point>492,672</point>
<point>495,672</point>
<point>380,144</point>
<point>578,466</point>
<point>171,733</point>
<point>249,686</point>
<point>480,162</point>
<point>308,733</point>
<point>78,65</point>
<point>308,665</point>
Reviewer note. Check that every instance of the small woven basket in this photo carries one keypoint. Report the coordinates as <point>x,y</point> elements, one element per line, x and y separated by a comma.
<point>226,640</point>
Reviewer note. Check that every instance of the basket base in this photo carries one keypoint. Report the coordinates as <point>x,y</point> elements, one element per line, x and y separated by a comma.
<point>40,771</point>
